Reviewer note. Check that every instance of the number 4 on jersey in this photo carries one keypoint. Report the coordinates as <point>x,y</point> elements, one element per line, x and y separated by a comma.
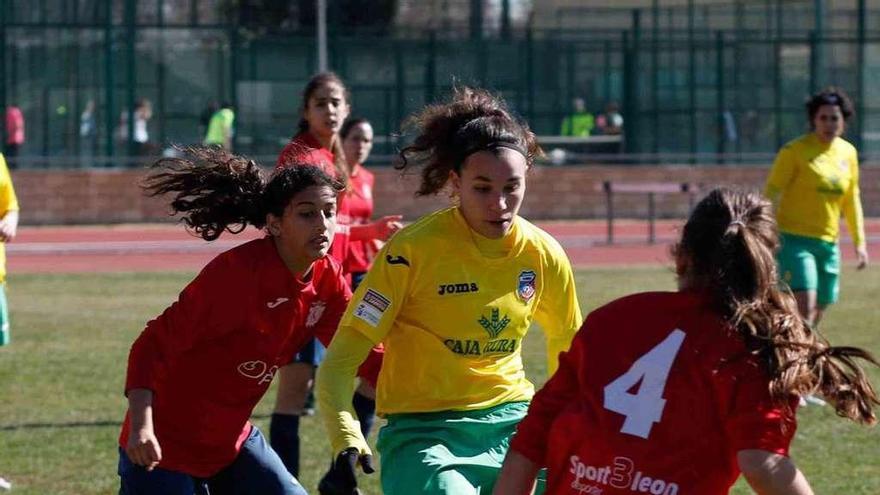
<point>645,407</point>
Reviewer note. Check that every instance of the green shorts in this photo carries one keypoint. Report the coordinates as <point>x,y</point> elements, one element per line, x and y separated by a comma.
<point>448,452</point>
<point>810,264</point>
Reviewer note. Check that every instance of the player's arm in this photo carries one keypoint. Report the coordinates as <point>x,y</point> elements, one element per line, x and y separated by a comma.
<point>143,447</point>
<point>8,203</point>
<point>531,438</point>
<point>781,174</point>
<point>855,219</point>
<point>517,475</point>
<point>208,307</point>
<point>558,311</point>
<point>769,473</point>
<point>335,386</point>
<point>366,321</point>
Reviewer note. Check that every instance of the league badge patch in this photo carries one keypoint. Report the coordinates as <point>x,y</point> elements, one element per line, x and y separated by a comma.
<point>525,287</point>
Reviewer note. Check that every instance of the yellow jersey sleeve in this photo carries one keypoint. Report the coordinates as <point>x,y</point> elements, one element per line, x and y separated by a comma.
<point>781,174</point>
<point>8,200</point>
<point>334,386</point>
<point>559,312</point>
<point>382,292</point>
<point>852,206</point>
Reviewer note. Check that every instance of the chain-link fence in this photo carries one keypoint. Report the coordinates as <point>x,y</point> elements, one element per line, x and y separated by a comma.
<point>720,83</point>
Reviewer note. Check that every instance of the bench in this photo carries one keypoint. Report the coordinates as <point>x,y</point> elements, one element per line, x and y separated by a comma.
<point>651,189</point>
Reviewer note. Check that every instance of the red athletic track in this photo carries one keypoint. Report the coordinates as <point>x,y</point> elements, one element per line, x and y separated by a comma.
<point>126,248</point>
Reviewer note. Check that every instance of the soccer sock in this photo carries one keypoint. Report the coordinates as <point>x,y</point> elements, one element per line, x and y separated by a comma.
<point>365,408</point>
<point>284,439</point>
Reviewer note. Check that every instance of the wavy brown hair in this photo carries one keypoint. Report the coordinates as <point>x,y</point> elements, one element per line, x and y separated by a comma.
<point>473,119</point>
<point>728,246</point>
<point>215,190</point>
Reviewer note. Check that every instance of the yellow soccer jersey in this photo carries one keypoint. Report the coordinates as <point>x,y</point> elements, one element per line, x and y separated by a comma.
<point>8,202</point>
<point>453,320</point>
<point>811,184</point>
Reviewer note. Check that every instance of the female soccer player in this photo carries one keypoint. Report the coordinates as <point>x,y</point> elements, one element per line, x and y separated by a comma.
<point>8,229</point>
<point>679,392</point>
<point>451,296</point>
<point>814,179</point>
<point>324,108</point>
<point>198,369</point>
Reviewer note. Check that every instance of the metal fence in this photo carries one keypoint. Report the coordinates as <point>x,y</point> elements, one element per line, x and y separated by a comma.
<point>720,84</point>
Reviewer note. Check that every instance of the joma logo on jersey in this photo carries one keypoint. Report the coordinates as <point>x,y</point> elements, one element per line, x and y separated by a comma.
<point>464,288</point>
<point>495,325</point>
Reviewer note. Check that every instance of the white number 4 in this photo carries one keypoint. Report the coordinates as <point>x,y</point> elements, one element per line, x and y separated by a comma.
<point>645,407</point>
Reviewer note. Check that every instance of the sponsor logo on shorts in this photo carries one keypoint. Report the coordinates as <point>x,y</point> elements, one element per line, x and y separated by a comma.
<point>622,475</point>
<point>371,307</point>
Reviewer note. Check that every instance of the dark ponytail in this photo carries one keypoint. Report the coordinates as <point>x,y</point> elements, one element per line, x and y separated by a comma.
<point>473,120</point>
<point>217,191</point>
<point>728,246</point>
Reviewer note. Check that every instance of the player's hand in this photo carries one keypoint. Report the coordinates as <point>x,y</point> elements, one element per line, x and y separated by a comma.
<point>862,255</point>
<point>342,477</point>
<point>387,226</point>
<point>143,448</point>
<point>7,231</point>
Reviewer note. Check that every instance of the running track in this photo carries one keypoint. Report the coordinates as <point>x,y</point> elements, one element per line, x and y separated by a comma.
<point>168,247</point>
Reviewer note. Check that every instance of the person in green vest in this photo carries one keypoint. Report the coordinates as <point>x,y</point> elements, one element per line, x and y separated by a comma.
<point>580,122</point>
<point>220,127</point>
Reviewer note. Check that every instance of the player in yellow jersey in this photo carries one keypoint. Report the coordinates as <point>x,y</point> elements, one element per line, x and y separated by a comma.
<point>451,296</point>
<point>814,180</point>
<point>8,228</point>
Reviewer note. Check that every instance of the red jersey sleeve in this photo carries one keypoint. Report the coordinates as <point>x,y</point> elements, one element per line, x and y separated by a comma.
<point>338,293</point>
<point>208,307</point>
<point>754,420</point>
<point>531,433</point>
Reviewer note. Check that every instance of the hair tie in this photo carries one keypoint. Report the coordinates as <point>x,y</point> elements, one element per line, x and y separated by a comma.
<point>737,222</point>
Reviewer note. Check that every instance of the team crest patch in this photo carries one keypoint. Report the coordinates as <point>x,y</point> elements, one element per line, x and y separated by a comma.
<point>525,287</point>
<point>315,312</point>
<point>371,307</point>
<point>844,166</point>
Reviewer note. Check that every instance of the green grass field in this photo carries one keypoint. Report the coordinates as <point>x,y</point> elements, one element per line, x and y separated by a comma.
<point>61,380</point>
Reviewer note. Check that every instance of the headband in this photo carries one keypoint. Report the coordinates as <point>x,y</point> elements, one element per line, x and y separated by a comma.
<point>493,146</point>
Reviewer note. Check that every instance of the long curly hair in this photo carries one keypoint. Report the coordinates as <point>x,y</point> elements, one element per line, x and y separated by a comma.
<point>473,119</point>
<point>729,245</point>
<point>216,191</point>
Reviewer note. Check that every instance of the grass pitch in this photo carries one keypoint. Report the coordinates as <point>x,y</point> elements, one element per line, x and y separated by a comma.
<point>61,380</point>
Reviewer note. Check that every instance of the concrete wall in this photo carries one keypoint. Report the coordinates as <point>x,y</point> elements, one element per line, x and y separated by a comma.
<point>113,196</point>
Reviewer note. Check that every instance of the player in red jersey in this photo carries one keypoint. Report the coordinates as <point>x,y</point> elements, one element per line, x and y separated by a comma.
<point>680,392</point>
<point>197,370</point>
<point>324,107</point>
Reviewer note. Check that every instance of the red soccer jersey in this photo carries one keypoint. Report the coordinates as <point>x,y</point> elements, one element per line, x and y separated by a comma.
<point>304,149</point>
<point>360,210</point>
<point>656,395</point>
<point>212,354</point>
